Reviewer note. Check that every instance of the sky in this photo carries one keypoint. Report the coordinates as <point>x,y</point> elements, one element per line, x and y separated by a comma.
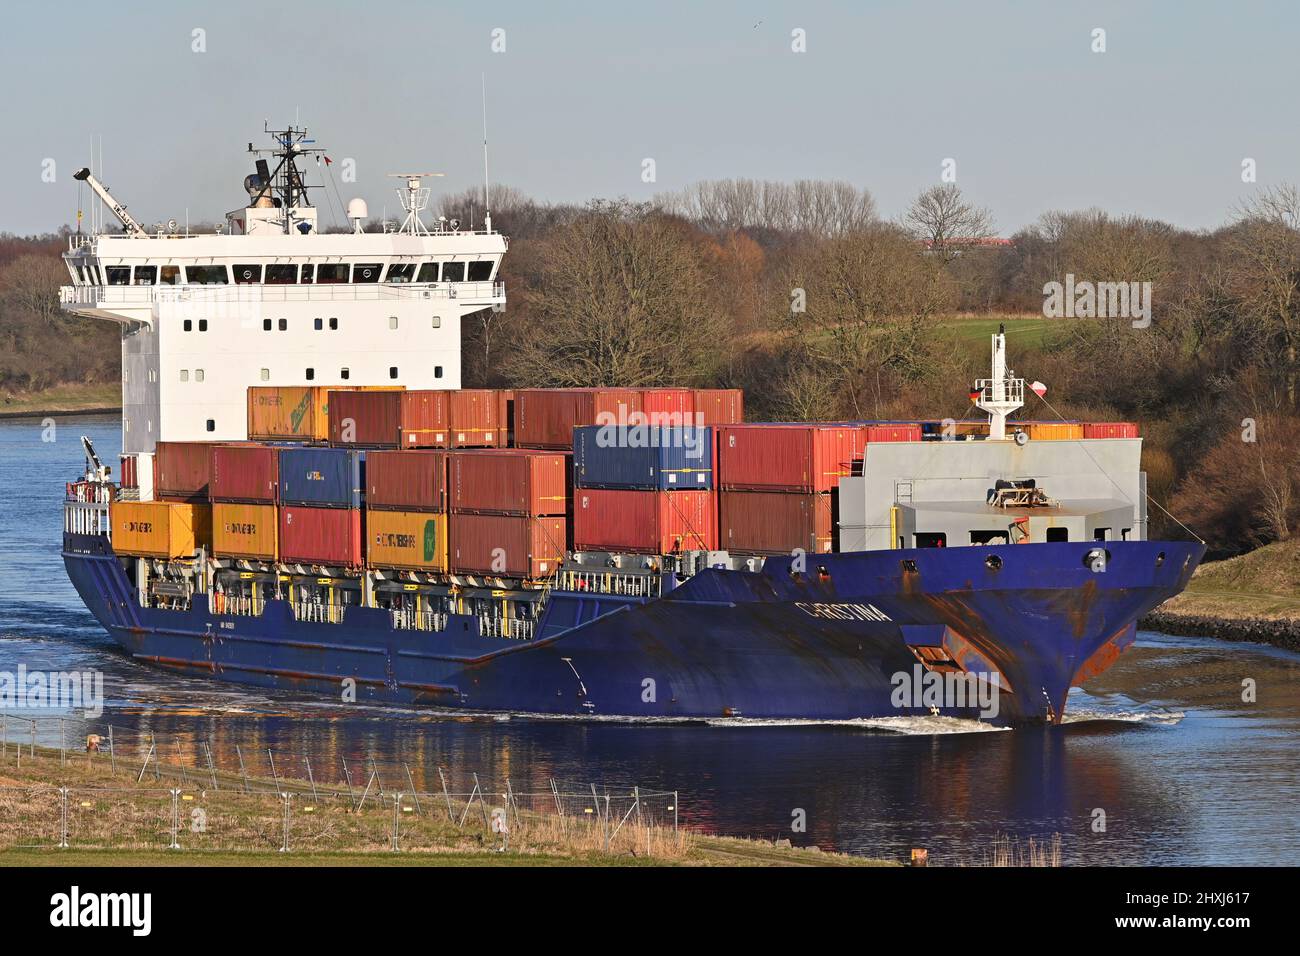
<point>579,95</point>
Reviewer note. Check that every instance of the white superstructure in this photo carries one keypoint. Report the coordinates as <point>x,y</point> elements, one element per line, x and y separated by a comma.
<point>272,301</point>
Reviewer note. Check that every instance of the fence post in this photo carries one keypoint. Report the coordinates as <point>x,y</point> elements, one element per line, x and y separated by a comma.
<point>397,815</point>
<point>414,794</point>
<point>374,772</point>
<point>347,776</point>
<point>450,815</point>
<point>63,742</point>
<point>176,819</point>
<point>314,795</point>
<point>284,847</point>
<point>145,766</point>
<point>157,772</point>
<point>510,798</point>
<point>63,816</point>
<point>242,772</point>
<point>112,751</point>
<point>482,804</point>
<point>212,770</point>
<point>33,739</point>
<point>4,735</point>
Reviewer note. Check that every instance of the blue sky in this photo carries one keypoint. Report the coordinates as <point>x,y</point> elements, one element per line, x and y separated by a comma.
<point>1158,124</point>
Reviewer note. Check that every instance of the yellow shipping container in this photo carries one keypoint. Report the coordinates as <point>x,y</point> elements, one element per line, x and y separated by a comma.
<point>245,531</point>
<point>160,529</point>
<point>406,539</point>
<point>1054,431</point>
<point>296,412</point>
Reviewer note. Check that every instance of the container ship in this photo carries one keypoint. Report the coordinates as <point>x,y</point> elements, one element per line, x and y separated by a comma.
<point>307,499</point>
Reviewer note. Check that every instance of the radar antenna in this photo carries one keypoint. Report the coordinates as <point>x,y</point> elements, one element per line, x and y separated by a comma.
<point>415,198</point>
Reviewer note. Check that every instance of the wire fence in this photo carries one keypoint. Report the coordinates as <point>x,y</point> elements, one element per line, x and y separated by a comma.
<point>133,792</point>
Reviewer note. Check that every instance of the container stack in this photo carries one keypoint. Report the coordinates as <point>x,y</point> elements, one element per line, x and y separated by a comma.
<point>296,413</point>
<point>178,521</point>
<point>778,485</point>
<point>320,506</point>
<point>644,489</point>
<point>415,419</point>
<point>546,417</point>
<point>508,511</point>
<point>406,510</point>
<point>244,489</point>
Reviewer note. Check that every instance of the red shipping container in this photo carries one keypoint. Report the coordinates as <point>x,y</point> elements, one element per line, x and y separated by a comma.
<point>127,476</point>
<point>764,522</point>
<point>475,420</point>
<point>516,546</point>
<point>414,480</point>
<point>513,481</point>
<point>545,418</point>
<point>245,473</point>
<point>182,469</point>
<point>1110,430</point>
<point>909,432</point>
<point>793,458</point>
<point>720,406</point>
<point>325,536</point>
<point>644,522</point>
<point>506,415</point>
<point>668,406</point>
<point>390,419</point>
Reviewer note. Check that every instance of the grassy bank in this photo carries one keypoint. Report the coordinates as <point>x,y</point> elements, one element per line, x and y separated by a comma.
<point>61,399</point>
<point>1263,584</point>
<point>128,818</point>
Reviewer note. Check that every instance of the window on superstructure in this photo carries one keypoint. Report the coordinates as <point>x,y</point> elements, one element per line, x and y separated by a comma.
<point>480,271</point>
<point>345,374</point>
<point>146,275</point>
<point>1058,534</point>
<point>453,272</point>
<point>169,275</point>
<point>266,325</point>
<point>185,375</point>
<point>266,374</point>
<point>334,323</point>
<point>251,272</point>
<point>392,321</point>
<point>188,325</point>
<point>366,272</point>
<point>118,275</point>
<point>307,272</point>
<point>212,424</point>
<point>428,272</point>
<point>198,375</point>
<point>392,371</point>
<point>437,321</point>
<point>400,272</point>
<point>318,324</point>
<point>281,274</point>
<point>207,275</point>
<point>284,325</point>
<point>311,374</point>
<point>203,325</point>
<point>437,371</point>
<point>332,272</point>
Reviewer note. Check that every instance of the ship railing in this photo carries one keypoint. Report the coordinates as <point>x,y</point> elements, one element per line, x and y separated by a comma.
<point>608,582</point>
<point>243,605</point>
<point>148,295</point>
<point>88,492</point>
<point>312,613</point>
<point>409,619</point>
<point>515,628</point>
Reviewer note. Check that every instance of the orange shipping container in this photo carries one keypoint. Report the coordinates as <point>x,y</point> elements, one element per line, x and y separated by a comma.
<point>476,419</point>
<point>516,481</point>
<point>507,545</point>
<point>1054,431</point>
<point>160,529</point>
<point>406,539</point>
<point>414,419</point>
<point>245,531</point>
<point>720,406</point>
<point>296,412</point>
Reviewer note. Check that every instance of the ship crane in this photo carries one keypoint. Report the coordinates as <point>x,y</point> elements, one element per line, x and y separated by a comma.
<point>133,227</point>
<point>1001,394</point>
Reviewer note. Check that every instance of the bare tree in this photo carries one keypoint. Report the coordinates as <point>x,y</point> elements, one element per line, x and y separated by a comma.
<point>943,219</point>
<point>817,207</point>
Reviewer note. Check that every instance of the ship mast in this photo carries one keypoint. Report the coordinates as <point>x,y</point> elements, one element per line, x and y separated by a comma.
<point>1001,394</point>
<point>282,187</point>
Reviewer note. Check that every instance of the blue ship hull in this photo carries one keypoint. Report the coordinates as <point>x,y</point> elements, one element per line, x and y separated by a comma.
<point>827,644</point>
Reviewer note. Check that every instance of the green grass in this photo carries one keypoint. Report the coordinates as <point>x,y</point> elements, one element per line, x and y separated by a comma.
<point>61,398</point>
<point>1264,583</point>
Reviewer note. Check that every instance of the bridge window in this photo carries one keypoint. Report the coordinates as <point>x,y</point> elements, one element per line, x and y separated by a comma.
<point>248,273</point>
<point>146,275</point>
<point>281,274</point>
<point>453,272</point>
<point>170,275</point>
<point>480,271</point>
<point>207,275</point>
<point>366,272</point>
<point>118,275</point>
<point>428,272</point>
<point>401,272</point>
<point>332,272</point>
<point>307,272</point>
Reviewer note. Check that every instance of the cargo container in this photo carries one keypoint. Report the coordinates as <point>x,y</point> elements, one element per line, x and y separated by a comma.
<point>719,406</point>
<point>246,472</point>
<point>408,419</point>
<point>545,418</point>
<point>762,522</point>
<point>296,412</point>
<point>414,480</point>
<point>515,481</point>
<point>249,531</point>
<point>516,546</point>
<point>414,540</point>
<point>791,458</point>
<point>1110,430</point>
<point>324,536</point>
<point>182,470</point>
<point>506,415</point>
<point>327,477</point>
<point>160,529</point>
<point>644,522</point>
<point>668,406</point>
<point>476,419</point>
<point>891,431</point>
<point>127,473</point>
<point>643,457</point>
<point>1052,431</point>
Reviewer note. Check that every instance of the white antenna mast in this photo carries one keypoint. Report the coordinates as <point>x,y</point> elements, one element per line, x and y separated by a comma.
<point>1003,393</point>
<point>487,202</point>
<point>414,198</point>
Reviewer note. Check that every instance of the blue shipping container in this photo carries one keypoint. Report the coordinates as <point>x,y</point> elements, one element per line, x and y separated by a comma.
<point>643,457</point>
<point>326,477</point>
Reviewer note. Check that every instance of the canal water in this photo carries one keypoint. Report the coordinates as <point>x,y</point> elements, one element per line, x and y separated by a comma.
<point>1162,748</point>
